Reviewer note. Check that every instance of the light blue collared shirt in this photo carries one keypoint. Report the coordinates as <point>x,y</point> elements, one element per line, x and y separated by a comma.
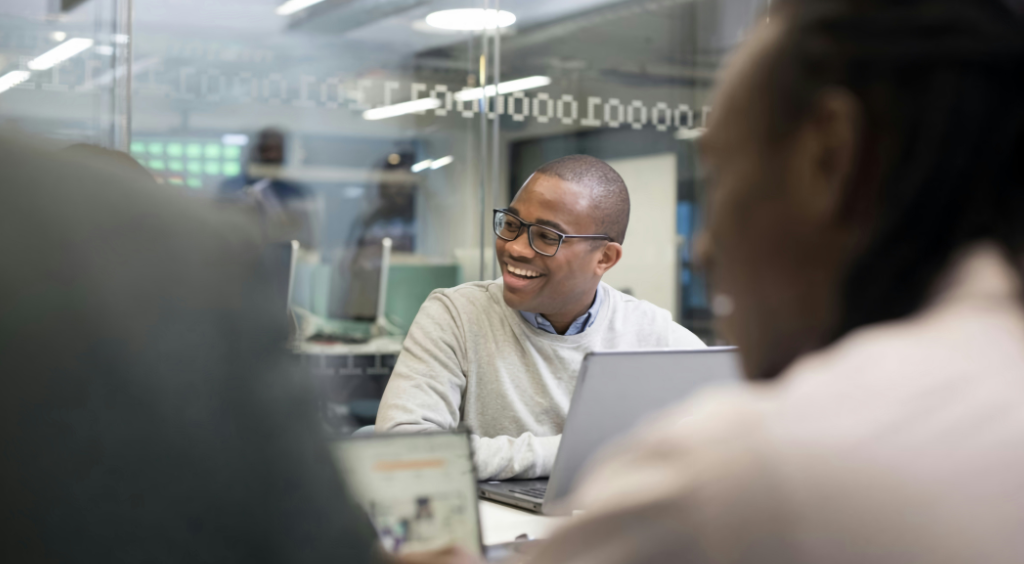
<point>581,324</point>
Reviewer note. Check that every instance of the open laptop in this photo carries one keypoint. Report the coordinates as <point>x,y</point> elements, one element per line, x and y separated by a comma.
<point>419,491</point>
<point>614,392</point>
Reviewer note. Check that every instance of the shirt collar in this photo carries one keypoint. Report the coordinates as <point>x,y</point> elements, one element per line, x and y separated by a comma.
<point>581,324</point>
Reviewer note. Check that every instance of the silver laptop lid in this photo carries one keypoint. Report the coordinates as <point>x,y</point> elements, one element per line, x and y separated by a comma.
<point>616,390</point>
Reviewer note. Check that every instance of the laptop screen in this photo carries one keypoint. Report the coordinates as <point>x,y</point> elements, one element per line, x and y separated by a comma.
<point>419,490</point>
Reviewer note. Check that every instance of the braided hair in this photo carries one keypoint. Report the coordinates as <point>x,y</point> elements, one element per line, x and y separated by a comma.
<point>941,83</point>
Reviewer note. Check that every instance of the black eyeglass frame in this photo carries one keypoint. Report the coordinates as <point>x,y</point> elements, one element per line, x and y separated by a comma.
<point>523,224</point>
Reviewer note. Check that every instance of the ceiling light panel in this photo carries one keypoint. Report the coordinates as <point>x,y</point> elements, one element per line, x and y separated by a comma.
<point>292,6</point>
<point>60,53</point>
<point>470,19</point>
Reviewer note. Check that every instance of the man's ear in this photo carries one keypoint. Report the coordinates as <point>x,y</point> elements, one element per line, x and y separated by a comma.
<point>827,151</point>
<point>611,254</point>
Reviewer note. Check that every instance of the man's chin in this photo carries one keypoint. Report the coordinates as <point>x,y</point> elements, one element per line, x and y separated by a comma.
<point>511,300</point>
<point>516,300</point>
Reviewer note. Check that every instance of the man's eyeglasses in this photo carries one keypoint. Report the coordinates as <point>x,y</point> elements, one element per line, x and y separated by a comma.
<point>544,240</point>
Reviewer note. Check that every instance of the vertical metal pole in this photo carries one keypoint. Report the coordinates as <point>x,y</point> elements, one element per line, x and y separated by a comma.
<point>381,319</point>
<point>496,129</point>
<point>124,38</point>
<point>103,133</point>
<point>483,147</point>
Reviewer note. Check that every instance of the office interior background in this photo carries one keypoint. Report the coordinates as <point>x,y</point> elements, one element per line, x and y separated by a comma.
<point>391,121</point>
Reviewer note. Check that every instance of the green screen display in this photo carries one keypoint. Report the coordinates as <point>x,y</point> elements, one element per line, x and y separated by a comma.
<point>232,152</point>
<point>232,169</point>
<point>196,158</point>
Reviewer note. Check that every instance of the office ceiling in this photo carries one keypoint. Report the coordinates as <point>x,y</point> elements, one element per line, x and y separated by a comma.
<point>400,30</point>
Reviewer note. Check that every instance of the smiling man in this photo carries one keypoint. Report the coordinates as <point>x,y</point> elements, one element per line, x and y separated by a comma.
<point>502,356</point>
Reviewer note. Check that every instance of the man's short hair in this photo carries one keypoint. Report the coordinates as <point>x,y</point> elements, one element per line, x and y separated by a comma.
<point>609,201</point>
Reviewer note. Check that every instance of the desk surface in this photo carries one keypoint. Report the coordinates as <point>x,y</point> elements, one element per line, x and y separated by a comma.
<point>503,523</point>
<point>375,346</point>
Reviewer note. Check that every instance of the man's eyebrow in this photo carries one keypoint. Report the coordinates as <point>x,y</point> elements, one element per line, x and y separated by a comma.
<point>552,224</point>
<point>545,222</point>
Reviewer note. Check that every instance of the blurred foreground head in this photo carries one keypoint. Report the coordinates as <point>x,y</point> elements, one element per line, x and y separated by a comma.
<point>146,412</point>
<point>856,147</point>
<point>100,157</point>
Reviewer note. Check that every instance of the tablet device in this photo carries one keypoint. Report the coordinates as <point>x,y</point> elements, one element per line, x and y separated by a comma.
<point>419,490</point>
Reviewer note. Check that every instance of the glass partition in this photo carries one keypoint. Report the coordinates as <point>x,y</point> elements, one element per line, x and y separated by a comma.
<point>381,129</point>
<point>629,82</point>
<point>367,129</point>
<point>63,70</point>
<point>309,102</point>
<point>357,121</point>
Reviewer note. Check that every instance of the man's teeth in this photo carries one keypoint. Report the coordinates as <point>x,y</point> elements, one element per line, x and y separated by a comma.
<point>522,272</point>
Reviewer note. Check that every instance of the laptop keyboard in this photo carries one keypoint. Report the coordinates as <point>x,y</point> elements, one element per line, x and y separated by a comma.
<point>532,491</point>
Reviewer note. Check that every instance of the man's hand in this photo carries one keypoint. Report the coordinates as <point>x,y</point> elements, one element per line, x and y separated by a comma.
<point>450,555</point>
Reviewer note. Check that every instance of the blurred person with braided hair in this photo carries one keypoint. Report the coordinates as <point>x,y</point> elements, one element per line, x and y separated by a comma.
<point>866,242</point>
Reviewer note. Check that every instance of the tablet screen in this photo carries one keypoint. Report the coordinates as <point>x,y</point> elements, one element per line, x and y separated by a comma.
<point>419,490</point>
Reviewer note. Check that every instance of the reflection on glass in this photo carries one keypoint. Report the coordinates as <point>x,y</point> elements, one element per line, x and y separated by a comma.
<point>482,106</point>
<point>285,207</point>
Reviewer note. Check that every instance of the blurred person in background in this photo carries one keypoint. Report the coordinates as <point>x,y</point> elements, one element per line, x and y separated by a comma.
<point>288,208</point>
<point>866,239</point>
<point>394,215</point>
<point>354,293</point>
<point>148,410</point>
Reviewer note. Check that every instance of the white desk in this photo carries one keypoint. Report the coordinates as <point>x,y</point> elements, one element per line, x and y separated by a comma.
<point>374,347</point>
<point>502,523</point>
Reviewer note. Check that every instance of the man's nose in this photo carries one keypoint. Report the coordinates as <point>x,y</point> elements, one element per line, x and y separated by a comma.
<point>520,248</point>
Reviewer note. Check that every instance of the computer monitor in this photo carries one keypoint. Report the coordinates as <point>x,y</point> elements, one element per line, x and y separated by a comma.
<point>279,261</point>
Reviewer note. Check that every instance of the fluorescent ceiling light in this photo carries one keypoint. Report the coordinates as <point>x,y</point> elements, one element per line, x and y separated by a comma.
<point>395,110</point>
<point>690,134</point>
<point>236,139</point>
<point>58,35</point>
<point>432,164</point>
<point>442,162</point>
<point>292,6</point>
<point>60,53</point>
<point>503,88</point>
<point>12,79</point>
<point>471,19</point>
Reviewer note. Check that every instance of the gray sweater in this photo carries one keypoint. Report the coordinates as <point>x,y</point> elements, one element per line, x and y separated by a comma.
<point>469,358</point>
